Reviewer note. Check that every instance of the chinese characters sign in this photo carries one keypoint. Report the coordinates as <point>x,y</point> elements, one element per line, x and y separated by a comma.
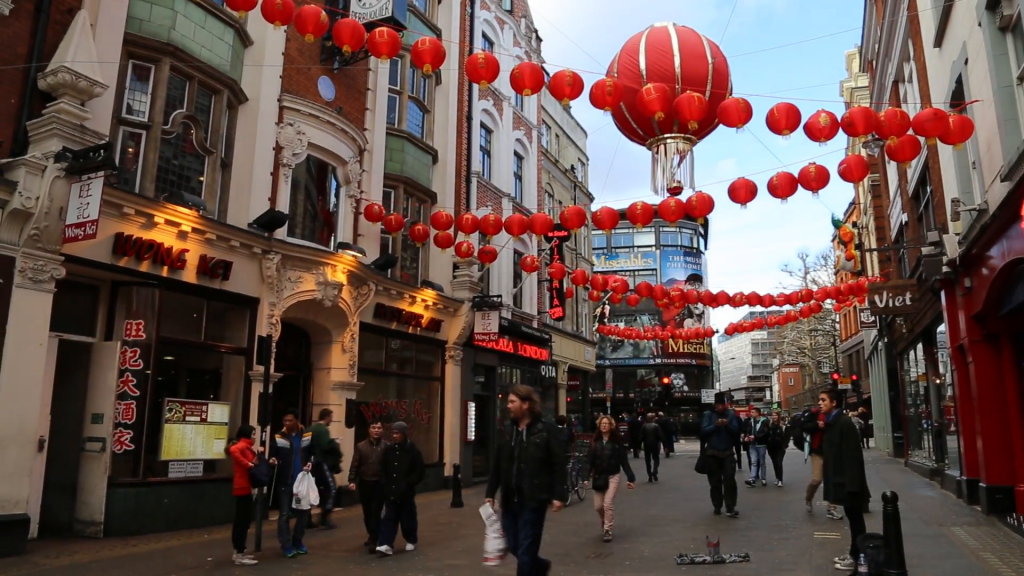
<point>194,429</point>
<point>83,217</point>
<point>485,326</point>
<point>135,332</point>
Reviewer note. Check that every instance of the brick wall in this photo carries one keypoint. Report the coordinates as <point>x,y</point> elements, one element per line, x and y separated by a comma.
<point>462,127</point>
<point>16,41</point>
<point>488,196</point>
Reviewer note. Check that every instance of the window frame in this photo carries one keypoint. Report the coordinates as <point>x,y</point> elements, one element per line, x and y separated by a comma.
<point>337,176</point>
<point>486,43</point>
<point>518,102</point>
<point>517,280</point>
<point>1015,47</point>
<point>545,135</point>
<point>486,153</point>
<point>398,194</point>
<point>518,175</point>
<point>412,89</point>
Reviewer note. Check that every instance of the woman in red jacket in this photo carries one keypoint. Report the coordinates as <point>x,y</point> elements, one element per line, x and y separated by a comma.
<point>244,457</point>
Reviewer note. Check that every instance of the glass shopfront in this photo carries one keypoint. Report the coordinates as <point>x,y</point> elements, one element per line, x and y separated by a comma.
<point>928,398</point>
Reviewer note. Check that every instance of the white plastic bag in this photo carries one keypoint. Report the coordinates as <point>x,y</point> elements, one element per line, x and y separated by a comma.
<point>305,493</point>
<point>494,538</point>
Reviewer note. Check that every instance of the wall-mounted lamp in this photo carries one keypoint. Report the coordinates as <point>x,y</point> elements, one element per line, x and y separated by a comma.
<point>269,222</point>
<point>873,146</point>
<point>432,286</point>
<point>384,262</point>
<point>350,249</point>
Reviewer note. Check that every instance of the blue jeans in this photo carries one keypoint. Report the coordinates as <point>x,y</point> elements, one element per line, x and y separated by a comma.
<point>758,462</point>
<point>285,535</point>
<point>399,514</point>
<point>523,527</point>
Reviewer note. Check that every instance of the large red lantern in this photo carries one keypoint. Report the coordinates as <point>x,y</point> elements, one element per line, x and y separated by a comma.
<point>442,221</point>
<point>565,86</point>
<point>892,123</point>
<point>516,225</point>
<point>570,292</point>
<point>490,225</point>
<point>349,35</point>
<point>930,123</point>
<point>384,43</point>
<point>464,249</point>
<point>633,300</point>
<point>374,213</point>
<point>679,59</point>
<point>241,7</point>
<point>853,169</point>
<point>541,224</point>
<point>659,292</point>
<point>594,296</point>
<point>618,285</point>
<point>904,149</point>
<point>529,263</point>
<point>394,223</point>
<point>419,233</point>
<point>783,118</point>
<point>644,289</point>
<point>742,191</point>
<point>605,218</point>
<point>735,112</point>
<point>858,122</point>
<point>444,240</point>
<point>700,205</point>
<point>640,214</point>
<point>813,177</point>
<point>557,271</point>
<point>690,108</point>
<point>573,217</point>
<point>427,54</point>
<point>821,126</point>
<point>782,186</point>
<point>311,22</point>
<point>721,298</point>
<point>527,78</point>
<point>672,210</point>
<point>482,68</point>
<point>961,128</point>
<point>579,277</point>
<point>606,94</point>
<point>278,12</point>
<point>767,301</point>
<point>487,255</point>
<point>467,223</point>
<point>599,282</point>
<point>738,300</point>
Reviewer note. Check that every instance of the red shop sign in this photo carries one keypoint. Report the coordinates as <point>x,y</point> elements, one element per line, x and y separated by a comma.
<point>518,347</point>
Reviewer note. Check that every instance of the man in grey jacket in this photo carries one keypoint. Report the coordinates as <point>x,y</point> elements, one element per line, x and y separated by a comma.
<point>719,432</point>
<point>364,474</point>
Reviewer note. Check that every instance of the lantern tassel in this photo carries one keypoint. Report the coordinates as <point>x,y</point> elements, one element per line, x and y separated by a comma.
<point>671,162</point>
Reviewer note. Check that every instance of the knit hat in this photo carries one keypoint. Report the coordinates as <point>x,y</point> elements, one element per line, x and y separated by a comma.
<point>400,427</point>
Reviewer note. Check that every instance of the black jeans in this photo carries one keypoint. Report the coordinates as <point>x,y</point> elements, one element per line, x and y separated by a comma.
<point>399,513</point>
<point>524,527</point>
<point>243,518</point>
<point>855,515</point>
<point>777,455</point>
<point>739,456</point>
<point>722,478</point>
<point>371,496</point>
<point>654,455</point>
<point>286,535</point>
<point>327,487</point>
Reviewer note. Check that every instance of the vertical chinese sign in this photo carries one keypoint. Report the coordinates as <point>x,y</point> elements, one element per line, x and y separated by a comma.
<point>556,288</point>
<point>135,326</point>
<point>82,221</point>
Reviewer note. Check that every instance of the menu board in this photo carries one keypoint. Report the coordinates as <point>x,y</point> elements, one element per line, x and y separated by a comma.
<point>194,430</point>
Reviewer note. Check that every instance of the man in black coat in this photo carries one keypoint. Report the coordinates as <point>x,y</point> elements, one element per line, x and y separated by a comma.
<point>636,423</point>
<point>845,480</point>
<point>667,433</point>
<point>402,469</point>
<point>651,435</point>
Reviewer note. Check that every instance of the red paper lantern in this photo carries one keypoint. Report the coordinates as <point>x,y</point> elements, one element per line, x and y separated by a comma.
<point>487,255</point>
<point>821,126</point>
<point>633,300</point>
<point>541,224</point>
<point>606,94</point>
<point>793,298</point>
<point>427,54</point>
<point>858,122</point>
<point>644,289</point>
<point>573,217</point>
<point>853,169</point>
<point>557,271</point>
<point>742,191</point>
<point>691,296</point>
<point>659,292</point>
<point>640,214</point>
<point>599,282</point>
<point>349,35</point>
<point>844,289</point>
<point>730,330</point>
<point>837,308</point>
<point>806,295</point>
<point>616,299</point>
<point>805,312</point>
<point>605,218</point>
<point>442,221</point>
<point>833,292</point>
<point>961,128</point>
<point>892,123</point>
<point>384,43</point>
<point>565,86</point>
<point>490,225</point>
<point>374,213</point>
<point>904,149</point>
<point>467,223</point>
<point>419,233</point>
<point>527,78</point>
<point>311,22</point>
<point>482,68</point>
<point>579,277</point>
<point>690,108</point>
<point>278,12</point>
<point>654,101</point>
<point>930,123</point>
<point>394,223</point>
<point>813,177</point>
<point>569,292</point>
<point>758,323</point>
<point>464,249</point>
<point>735,112</point>
<point>753,299</point>
<point>738,300</point>
<point>516,225</point>
<point>700,205</point>
<point>707,298</point>
<point>529,263</point>
<point>241,7</point>
<point>782,186</point>
<point>721,298</point>
<point>672,210</point>
<point>820,294</point>
<point>709,332</point>
<point>594,296</point>
<point>767,301</point>
<point>619,285</point>
<point>444,240</point>
<point>783,119</point>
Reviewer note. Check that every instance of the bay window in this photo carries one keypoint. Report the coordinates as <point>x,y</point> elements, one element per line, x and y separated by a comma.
<point>410,95</point>
<point>313,205</point>
<point>412,259</point>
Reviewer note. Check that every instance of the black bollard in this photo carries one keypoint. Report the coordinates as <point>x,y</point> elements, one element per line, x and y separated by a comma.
<point>892,529</point>
<point>457,486</point>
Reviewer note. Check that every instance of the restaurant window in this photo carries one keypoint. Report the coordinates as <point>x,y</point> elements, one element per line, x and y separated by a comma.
<point>517,177</point>
<point>410,94</point>
<point>401,382</point>
<point>412,265</point>
<point>190,125</point>
<point>517,280</point>
<point>558,144</point>
<point>506,5</point>
<point>486,136</point>
<point>313,205</point>
<point>423,6</point>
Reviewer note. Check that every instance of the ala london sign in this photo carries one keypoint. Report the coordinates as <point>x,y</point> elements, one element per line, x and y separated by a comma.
<point>893,298</point>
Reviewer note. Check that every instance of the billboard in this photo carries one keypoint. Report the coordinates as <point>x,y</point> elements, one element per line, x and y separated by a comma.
<point>685,268</point>
<point>608,262</point>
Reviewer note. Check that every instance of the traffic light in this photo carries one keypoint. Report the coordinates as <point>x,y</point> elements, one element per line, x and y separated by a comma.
<point>835,377</point>
<point>855,382</point>
<point>665,380</point>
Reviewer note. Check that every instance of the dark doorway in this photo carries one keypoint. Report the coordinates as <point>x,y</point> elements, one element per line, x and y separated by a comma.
<point>292,360</point>
<point>64,444</point>
<point>485,419</point>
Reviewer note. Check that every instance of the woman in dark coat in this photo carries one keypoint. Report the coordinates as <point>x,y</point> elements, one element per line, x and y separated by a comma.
<point>846,482</point>
<point>608,457</point>
<point>778,441</point>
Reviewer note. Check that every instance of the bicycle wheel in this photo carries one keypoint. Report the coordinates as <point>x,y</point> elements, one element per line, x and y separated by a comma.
<point>581,487</point>
<point>569,488</point>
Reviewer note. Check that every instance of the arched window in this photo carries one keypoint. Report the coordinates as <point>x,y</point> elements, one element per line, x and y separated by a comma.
<point>313,202</point>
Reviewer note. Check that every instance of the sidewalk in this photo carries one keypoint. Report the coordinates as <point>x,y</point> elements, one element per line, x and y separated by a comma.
<point>654,522</point>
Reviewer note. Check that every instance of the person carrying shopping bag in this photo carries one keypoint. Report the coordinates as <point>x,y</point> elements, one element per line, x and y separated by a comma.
<point>608,457</point>
<point>291,451</point>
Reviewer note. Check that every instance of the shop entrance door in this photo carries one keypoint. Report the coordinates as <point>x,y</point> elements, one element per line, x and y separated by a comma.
<point>484,441</point>
<point>293,362</point>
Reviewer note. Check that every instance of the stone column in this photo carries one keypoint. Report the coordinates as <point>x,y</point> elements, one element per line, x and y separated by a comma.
<point>256,376</point>
<point>453,408</point>
<point>341,392</point>
<point>563,384</point>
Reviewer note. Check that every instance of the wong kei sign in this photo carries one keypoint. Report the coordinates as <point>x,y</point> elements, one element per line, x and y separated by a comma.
<point>893,298</point>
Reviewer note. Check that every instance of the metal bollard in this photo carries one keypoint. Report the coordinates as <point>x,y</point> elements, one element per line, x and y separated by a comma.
<point>457,486</point>
<point>892,529</point>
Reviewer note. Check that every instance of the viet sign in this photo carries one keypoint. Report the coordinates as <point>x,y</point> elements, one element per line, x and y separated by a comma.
<point>82,221</point>
<point>707,396</point>
<point>893,298</point>
<point>194,429</point>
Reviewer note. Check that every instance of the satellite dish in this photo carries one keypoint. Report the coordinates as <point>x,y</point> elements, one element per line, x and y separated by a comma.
<point>326,88</point>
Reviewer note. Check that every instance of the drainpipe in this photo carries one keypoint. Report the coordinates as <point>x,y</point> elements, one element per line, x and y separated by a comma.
<point>20,144</point>
<point>470,103</point>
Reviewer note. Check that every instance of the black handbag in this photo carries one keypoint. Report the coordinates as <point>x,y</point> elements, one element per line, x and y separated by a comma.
<point>701,466</point>
<point>261,473</point>
<point>601,483</point>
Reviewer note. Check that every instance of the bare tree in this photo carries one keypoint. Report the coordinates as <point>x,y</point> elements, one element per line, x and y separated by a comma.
<point>813,342</point>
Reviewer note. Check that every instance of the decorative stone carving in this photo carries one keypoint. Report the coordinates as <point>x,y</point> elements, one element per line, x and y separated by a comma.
<point>38,274</point>
<point>274,292</point>
<point>355,171</point>
<point>453,355</point>
<point>464,320</point>
<point>349,344</point>
<point>66,83</point>
<point>73,73</point>
<point>5,7</point>
<point>328,289</point>
<point>293,141</point>
<point>356,298</point>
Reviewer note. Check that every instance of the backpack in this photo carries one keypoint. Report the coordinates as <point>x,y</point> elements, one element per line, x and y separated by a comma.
<point>796,425</point>
<point>261,473</point>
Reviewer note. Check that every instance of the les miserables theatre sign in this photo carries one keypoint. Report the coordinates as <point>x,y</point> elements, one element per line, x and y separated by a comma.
<point>167,256</point>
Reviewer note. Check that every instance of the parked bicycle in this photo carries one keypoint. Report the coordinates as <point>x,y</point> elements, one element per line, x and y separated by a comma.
<point>576,480</point>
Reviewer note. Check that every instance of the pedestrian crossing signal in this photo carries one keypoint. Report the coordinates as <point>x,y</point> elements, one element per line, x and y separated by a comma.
<point>835,377</point>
